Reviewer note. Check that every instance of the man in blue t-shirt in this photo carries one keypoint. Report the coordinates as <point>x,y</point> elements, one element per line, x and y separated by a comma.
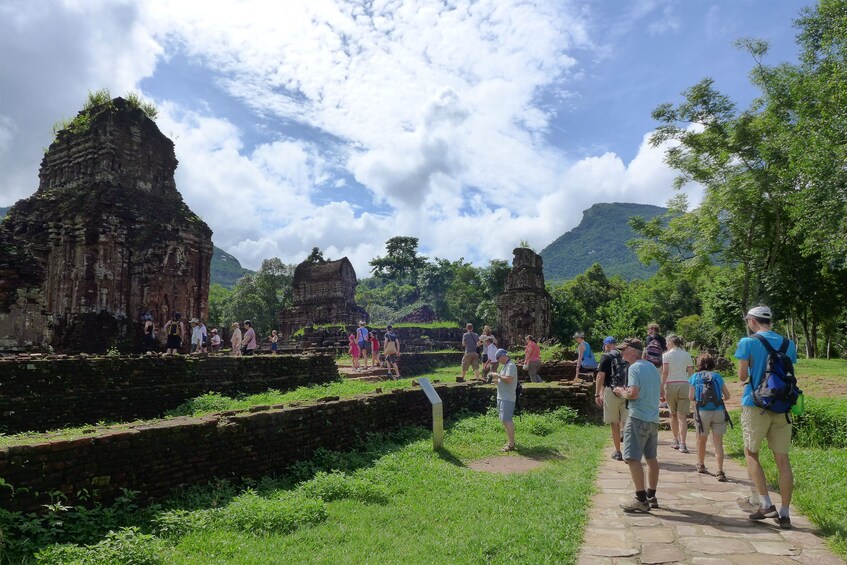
<point>641,431</point>
<point>758,423</point>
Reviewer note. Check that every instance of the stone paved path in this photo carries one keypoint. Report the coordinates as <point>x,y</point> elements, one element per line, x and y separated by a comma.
<point>698,522</point>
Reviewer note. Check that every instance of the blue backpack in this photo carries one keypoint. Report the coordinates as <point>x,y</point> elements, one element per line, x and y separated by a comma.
<point>778,390</point>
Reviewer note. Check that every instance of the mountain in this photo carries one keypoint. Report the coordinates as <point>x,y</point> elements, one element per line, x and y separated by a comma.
<point>600,237</point>
<point>4,211</point>
<point>226,269</point>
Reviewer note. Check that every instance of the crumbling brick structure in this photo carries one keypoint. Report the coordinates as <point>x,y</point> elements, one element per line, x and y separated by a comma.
<point>111,233</point>
<point>324,293</point>
<point>525,307</point>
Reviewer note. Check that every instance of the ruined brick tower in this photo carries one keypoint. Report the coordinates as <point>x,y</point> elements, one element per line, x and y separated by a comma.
<point>111,232</point>
<point>525,306</point>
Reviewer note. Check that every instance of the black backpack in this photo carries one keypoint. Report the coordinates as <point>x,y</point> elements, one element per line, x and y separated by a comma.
<point>778,390</point>
<point>706,392</point>
<point>518,397</point>
<point>619,369</point>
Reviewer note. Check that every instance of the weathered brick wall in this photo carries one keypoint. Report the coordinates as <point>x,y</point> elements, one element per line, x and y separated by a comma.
<point>51,393</point>
<point>154,459</point>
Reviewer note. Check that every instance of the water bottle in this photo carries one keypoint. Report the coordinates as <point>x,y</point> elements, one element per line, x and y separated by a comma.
<point>798,409</point>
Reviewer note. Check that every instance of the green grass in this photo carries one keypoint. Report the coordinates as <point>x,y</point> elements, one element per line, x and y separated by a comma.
<point>819,461</point>
<point>822,368</point>
<point>393,500</point>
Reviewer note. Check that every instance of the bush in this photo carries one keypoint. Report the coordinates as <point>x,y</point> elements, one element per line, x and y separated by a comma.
<point>209,402</point>
<point>824,425</point>
<point>127,546</point>
<point>337,485</point>
<point>173,524</point>
<point>565,415</point>
<point>253,514</point>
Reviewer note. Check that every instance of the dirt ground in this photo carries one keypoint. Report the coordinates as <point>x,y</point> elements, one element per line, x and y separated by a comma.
<point>506,464</point>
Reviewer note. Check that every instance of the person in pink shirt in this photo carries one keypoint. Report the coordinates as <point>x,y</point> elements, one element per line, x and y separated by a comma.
<point>248,342</point>
<point>374,348</point>
<point>532,358</point>
<point>354,351</point>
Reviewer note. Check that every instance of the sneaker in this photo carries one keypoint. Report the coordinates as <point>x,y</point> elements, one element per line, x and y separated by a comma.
<point>675,444</point>
<point>683,448</point>
<point>653,502</point>
<point>617,456</point>
<point>744,503</point>
<point>762,513</point>
<point>636,505</point>
<point>784,522</point>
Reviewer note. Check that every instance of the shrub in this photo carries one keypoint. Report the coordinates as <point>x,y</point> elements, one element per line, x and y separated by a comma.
<point>127,546</point>
<point>824,424</point>
<point>253,514</point>
<point>337,485</point>
<point>209,402</point>
<point>174,524</point>
<point>565,415</point>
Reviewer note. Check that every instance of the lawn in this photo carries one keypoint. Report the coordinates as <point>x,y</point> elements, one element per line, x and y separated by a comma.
<point>819,449</point>
<point>393,500</point>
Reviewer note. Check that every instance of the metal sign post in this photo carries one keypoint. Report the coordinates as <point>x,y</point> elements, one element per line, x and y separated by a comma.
<point>437,413</point>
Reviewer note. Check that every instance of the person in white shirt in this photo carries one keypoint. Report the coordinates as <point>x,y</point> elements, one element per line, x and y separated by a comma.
<point>677,368</point>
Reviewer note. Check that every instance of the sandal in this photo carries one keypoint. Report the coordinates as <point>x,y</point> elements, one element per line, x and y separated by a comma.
<point>701,469</point>
<point>721,476</point>
<point>507,448</point>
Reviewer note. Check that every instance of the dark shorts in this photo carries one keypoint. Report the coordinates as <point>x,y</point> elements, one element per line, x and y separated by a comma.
<point>365,346</point>
<point>640,439</point>
<point>274,346</point>
<point>391,359</point>
<point>174,342</point>
<point>249,351</point>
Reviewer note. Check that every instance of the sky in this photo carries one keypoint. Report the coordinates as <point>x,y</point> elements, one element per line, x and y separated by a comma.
<point>471,125</point>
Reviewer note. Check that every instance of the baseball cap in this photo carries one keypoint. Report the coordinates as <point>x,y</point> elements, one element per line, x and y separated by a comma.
<point>608,340</point>
<point>761,312</point>
<point>632,342</point>
<point>500,353</point>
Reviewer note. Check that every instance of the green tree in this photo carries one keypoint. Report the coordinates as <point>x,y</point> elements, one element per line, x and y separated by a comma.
<point>316,256</point>
<point>401,262</point>
<point>261,296</point>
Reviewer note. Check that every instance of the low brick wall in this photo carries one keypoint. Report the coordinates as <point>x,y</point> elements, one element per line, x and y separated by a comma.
<point>51,393</point>
<point>156,458</point>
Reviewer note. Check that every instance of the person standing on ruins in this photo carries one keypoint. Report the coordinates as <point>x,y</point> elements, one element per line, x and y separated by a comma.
<point>274,342</point>
<point>196,336</point>
<point>374,339</point>
<point>641,431</point>
<point>532,358</point>
<point>391,347</point>
<point>215,340</point>
<point>610,375</point>
<point>507,396</point>
<point>205,345</point>
<point>175,332</point>
<point>249,340</point>
<point>235,340</point>
<point>490,367</point>
<point>584,356</point>
<point>470,340</point>
<point>354,350</point>
<point>364,343</point>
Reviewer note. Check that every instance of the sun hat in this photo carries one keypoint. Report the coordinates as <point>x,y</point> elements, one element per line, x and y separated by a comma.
<point>608,340</point>
<point>761,312</point>
<point>194,321</point>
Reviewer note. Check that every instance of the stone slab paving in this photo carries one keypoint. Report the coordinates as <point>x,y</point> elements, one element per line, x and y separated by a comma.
<point>698,520</point>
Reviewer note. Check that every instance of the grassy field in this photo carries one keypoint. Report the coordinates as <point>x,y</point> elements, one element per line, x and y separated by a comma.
<point>393,500</point>
<point>819,449</point>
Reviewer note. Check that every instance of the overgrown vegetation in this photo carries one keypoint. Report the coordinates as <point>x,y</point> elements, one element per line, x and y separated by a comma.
<point>97,102</point>
<point>391,500</point>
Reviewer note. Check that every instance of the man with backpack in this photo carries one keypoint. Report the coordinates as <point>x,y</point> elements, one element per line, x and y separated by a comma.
<point>766,368</point>
<point>391,350</point>
<point>611,374</point>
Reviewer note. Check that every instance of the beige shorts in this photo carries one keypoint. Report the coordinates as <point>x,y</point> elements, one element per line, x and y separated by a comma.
<point>614,407</point>
<point>758,424</point>
<point>677,395</point>
<point>713,421</point>
<point>470,360</point>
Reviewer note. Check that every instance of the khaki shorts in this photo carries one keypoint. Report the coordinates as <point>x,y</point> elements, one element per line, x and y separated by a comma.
<point>470,360</point>
<point>614,407</point>
<point>713,421</point>
<point>758,424</point>
<point>677,394</point>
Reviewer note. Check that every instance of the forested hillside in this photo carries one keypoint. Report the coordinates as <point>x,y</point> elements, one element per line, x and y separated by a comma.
<point>226,269</point>
<point>600,237</point>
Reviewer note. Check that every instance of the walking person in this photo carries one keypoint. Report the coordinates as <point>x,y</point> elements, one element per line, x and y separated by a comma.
<point>215,340</point>
<point>374,339</point>
<point>532,358</point>
<point>391,347</point>
<point>584,356</point>
<point>708,391</point>
<point>353,349</point>
<point>274,342</point>
<point>196,337</point>
<point>677,367</point>
<point>507,396</point>
<point>758,423</point>
<point>175,332</point>
<point>641,431</point>
<point>363,342</point>
<point>470,340</point>
<point>235,340</point>
<point>610,375</point>
<point>249,342</point>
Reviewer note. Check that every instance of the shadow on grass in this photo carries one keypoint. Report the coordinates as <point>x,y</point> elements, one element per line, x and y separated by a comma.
<point>446,455</point>
<point>540,453</point>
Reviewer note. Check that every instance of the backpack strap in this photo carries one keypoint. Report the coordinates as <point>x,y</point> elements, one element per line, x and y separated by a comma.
<point>784,347</point>
<point>764,341</point>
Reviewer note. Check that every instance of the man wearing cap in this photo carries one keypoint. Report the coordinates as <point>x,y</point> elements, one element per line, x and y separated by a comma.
<point>175,332</point>
<point>507,384</point>
<point>757,423</point>
<point>641,431</point>
<point>196,336</point>
<point>612,373</point>
<point>215,340</point>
